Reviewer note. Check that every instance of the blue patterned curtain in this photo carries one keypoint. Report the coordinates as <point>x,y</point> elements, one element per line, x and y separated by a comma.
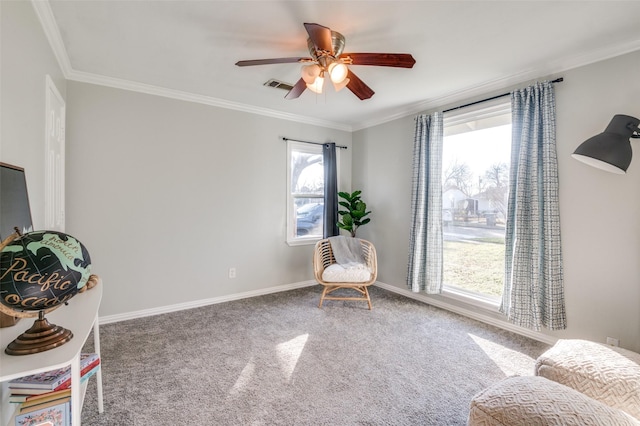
<point>533,295</point>
<point>425,240</point>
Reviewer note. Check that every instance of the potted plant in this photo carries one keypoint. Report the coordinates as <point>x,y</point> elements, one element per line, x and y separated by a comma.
<point>354,215</point>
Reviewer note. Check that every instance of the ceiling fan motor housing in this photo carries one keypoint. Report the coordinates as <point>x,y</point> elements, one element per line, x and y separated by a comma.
<point>337,42</point>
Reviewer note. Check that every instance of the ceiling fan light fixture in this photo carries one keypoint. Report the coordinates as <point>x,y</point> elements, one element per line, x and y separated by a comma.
<point>309,73</point>
<point>341,85</point>
<point>316,86</point>
<point>338,71</point>
<point>326,49</point>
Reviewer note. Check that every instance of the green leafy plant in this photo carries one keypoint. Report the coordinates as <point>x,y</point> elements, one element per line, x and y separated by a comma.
<point>354,215</point>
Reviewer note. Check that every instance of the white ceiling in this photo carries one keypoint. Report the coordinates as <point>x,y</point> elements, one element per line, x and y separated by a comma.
<point>187,49</point>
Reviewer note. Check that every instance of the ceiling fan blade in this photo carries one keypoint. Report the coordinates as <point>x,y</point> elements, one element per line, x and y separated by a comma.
<point>272,61</point>
<point>358,87</point>
<point>399,60</point>
<point>320,37</point>
<point>297,90</point>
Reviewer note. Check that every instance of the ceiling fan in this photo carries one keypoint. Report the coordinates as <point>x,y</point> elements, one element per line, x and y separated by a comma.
<point>325,47</point>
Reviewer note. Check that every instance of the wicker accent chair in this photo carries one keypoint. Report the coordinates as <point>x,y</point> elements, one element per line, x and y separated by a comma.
<point>323,258</point>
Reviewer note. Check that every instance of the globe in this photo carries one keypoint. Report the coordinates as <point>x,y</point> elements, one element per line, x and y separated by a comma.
<point>40,271</point>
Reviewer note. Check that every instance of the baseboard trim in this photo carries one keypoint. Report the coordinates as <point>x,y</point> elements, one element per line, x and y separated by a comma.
<point>470,314</point>
<point>204,302</point>
<point>277,289</point>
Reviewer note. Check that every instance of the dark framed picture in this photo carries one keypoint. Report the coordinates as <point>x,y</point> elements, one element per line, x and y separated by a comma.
<point>14,201</point>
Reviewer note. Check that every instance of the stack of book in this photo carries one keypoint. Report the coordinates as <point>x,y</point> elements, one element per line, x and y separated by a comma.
<point>46,397</point>
<point>51,409</point>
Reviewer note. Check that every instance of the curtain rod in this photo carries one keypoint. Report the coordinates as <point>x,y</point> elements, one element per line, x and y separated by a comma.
<point>313,143</point>
<point>557,80</point>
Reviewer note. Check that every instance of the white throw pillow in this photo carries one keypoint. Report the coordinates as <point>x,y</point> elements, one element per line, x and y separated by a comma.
<point>336,273</point>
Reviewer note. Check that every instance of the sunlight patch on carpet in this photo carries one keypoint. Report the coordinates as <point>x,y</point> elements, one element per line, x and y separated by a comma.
<point>508,360</point>
<point>289,352</point>
<point>245,377</point>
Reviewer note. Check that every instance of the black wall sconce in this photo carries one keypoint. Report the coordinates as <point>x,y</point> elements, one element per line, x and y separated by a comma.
<point>611,149</point>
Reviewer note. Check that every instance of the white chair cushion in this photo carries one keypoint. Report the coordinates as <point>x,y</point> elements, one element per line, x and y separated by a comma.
<point>606,373</point>
<point>537,401</point>
<point>336,273</point>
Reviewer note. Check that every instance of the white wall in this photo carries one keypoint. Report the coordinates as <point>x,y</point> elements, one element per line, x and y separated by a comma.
<point>168,195</point>
<point>26,59</point>
<point>600,212</point>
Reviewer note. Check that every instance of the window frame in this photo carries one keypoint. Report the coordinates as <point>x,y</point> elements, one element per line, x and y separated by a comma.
<point>291,238</point>
<point>490,110</point>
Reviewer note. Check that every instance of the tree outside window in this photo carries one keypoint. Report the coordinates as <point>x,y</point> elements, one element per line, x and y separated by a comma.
<point>475,191</point>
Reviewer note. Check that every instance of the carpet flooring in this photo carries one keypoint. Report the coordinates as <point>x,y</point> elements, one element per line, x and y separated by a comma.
<point>279,360</point>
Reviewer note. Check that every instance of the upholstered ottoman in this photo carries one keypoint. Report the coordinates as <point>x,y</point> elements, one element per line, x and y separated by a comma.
<point>533,400</point>
<point>608,374</point>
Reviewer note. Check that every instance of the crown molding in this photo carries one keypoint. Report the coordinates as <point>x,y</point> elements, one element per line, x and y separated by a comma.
<point>134,86</point>
<point>464,95</point>
<point>52,32</point>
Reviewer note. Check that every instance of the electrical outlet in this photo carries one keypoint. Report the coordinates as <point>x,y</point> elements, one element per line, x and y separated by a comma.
<point>232,272</point>
<point>613,342</point>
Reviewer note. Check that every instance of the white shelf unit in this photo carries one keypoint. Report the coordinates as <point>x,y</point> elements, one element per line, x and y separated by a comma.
<point>80,316</point>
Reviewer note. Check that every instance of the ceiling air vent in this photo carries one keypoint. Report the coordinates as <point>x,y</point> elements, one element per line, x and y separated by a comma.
<point>279,84</point>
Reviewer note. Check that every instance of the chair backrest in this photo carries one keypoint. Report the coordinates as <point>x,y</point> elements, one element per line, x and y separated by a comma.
<point>323,257</point>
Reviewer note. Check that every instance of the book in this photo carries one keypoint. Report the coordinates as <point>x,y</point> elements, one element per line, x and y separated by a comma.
<point>52,379</point>
<point>37,407</point>
<point>51,396</point>
<point>18,399</point>
<point>55,415</point>
<point>89,374</point>
<point>67,383</point>
<point>28,391</point>
<point>20,395</point>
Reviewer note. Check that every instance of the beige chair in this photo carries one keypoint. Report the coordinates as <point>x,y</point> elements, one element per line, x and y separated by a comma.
<point>323,258</point>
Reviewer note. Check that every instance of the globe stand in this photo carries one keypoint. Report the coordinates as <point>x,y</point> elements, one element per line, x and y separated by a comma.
<point>41,337</point>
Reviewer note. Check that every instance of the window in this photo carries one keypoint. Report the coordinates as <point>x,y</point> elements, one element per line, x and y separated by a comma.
<point>475,167</point>
<point>305,193</point>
